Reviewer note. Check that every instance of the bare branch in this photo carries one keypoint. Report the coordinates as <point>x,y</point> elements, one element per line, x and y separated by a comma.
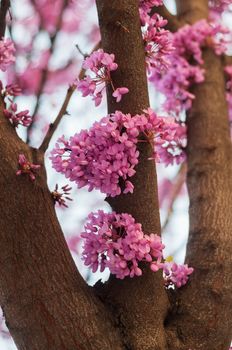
<point>45,71</point>
<point>63,110</point>
<point>177,185</point>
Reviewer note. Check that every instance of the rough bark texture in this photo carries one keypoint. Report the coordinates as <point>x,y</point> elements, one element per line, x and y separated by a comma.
<point>140,303</point>
<point>203,319</point>
<point>46,303</point>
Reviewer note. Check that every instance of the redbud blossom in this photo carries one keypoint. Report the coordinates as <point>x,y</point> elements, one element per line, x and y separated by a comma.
<point>22,117</point>
<point>188,41</point>
<point>104,157</point>
<point>26,167</point>
<point>7,51</point>
<point>175,274</point>
<point>117,242</point>
<point>100,64</point>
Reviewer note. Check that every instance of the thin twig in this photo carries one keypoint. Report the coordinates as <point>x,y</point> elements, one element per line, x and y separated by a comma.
<point>63,110</point>
<point>44,73</point>
<point>53,126</point>
<point>5,4</point>
<point>176,188</point>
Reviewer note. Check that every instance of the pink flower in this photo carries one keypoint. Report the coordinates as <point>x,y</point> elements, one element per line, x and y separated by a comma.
<point>87,86</point>
<point>176,274</point>
<point>105,156</point>
<point>146,5</point>
<point>100,64</point>
<point>119,92</point>
<point>117,242</point>
<point>22,117</point>
<point>185,62</point>
<point>10,90</point>
<point>26,167</point>
<point>7,51</point>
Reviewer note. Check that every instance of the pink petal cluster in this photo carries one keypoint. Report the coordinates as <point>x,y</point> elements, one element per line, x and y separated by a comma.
<point>169,139</point>
<point>100,64</point>
<point>219,6</point>
<point>10,90</point>
<point>185,63</point>
<point>104,157</point>
<point>26,167</point>
<point>175,274</point>
<point>146,5</point>
<point>7,51</point>
<point>157,41</point>
<point>117,242</point>
<point>228,70</point>
<point>17,118</point>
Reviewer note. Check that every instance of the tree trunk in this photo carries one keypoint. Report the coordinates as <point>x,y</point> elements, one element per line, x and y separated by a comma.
<point>140,304</point>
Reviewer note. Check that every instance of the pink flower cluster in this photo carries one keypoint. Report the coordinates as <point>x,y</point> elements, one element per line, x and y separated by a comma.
<point>10,90</point>
<point>116,242</point>
<point>15,118</point>
<point>26,167</point>
<point>146,5</point>
<point>100,64</point>
<point>7,51</point>
<point>11,113</point>
<point>104,157</point>
<point>228,70</point>
<point>157,41</point>
<point>168,138</point>
<point>219,6</point>
<point>181,74</point>
<point>176,275</point>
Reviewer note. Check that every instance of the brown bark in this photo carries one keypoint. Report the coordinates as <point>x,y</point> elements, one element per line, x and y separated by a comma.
<point>140,304</point>
<point>46,303</point>
<point>203,318</point>
<point>4,7</point>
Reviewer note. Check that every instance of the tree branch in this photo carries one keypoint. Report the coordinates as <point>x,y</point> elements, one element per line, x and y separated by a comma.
<point>177,185</point>
<point>46,303</point>
<point>139,304</point>
<point>227,60</point>
<point>63,110</point>
<point>4,7</point>
<point>45,71</point>
<point>53,126</point>
<point>204,312</point>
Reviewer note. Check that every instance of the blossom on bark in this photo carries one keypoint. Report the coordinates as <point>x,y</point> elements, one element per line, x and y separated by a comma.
<point>100,64</point>
<point>104,157</point>
<point>188,41</point>
<point>22,118</point>
<point>176,274</point>
<point>26,167</point>
<point>117,242</point>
